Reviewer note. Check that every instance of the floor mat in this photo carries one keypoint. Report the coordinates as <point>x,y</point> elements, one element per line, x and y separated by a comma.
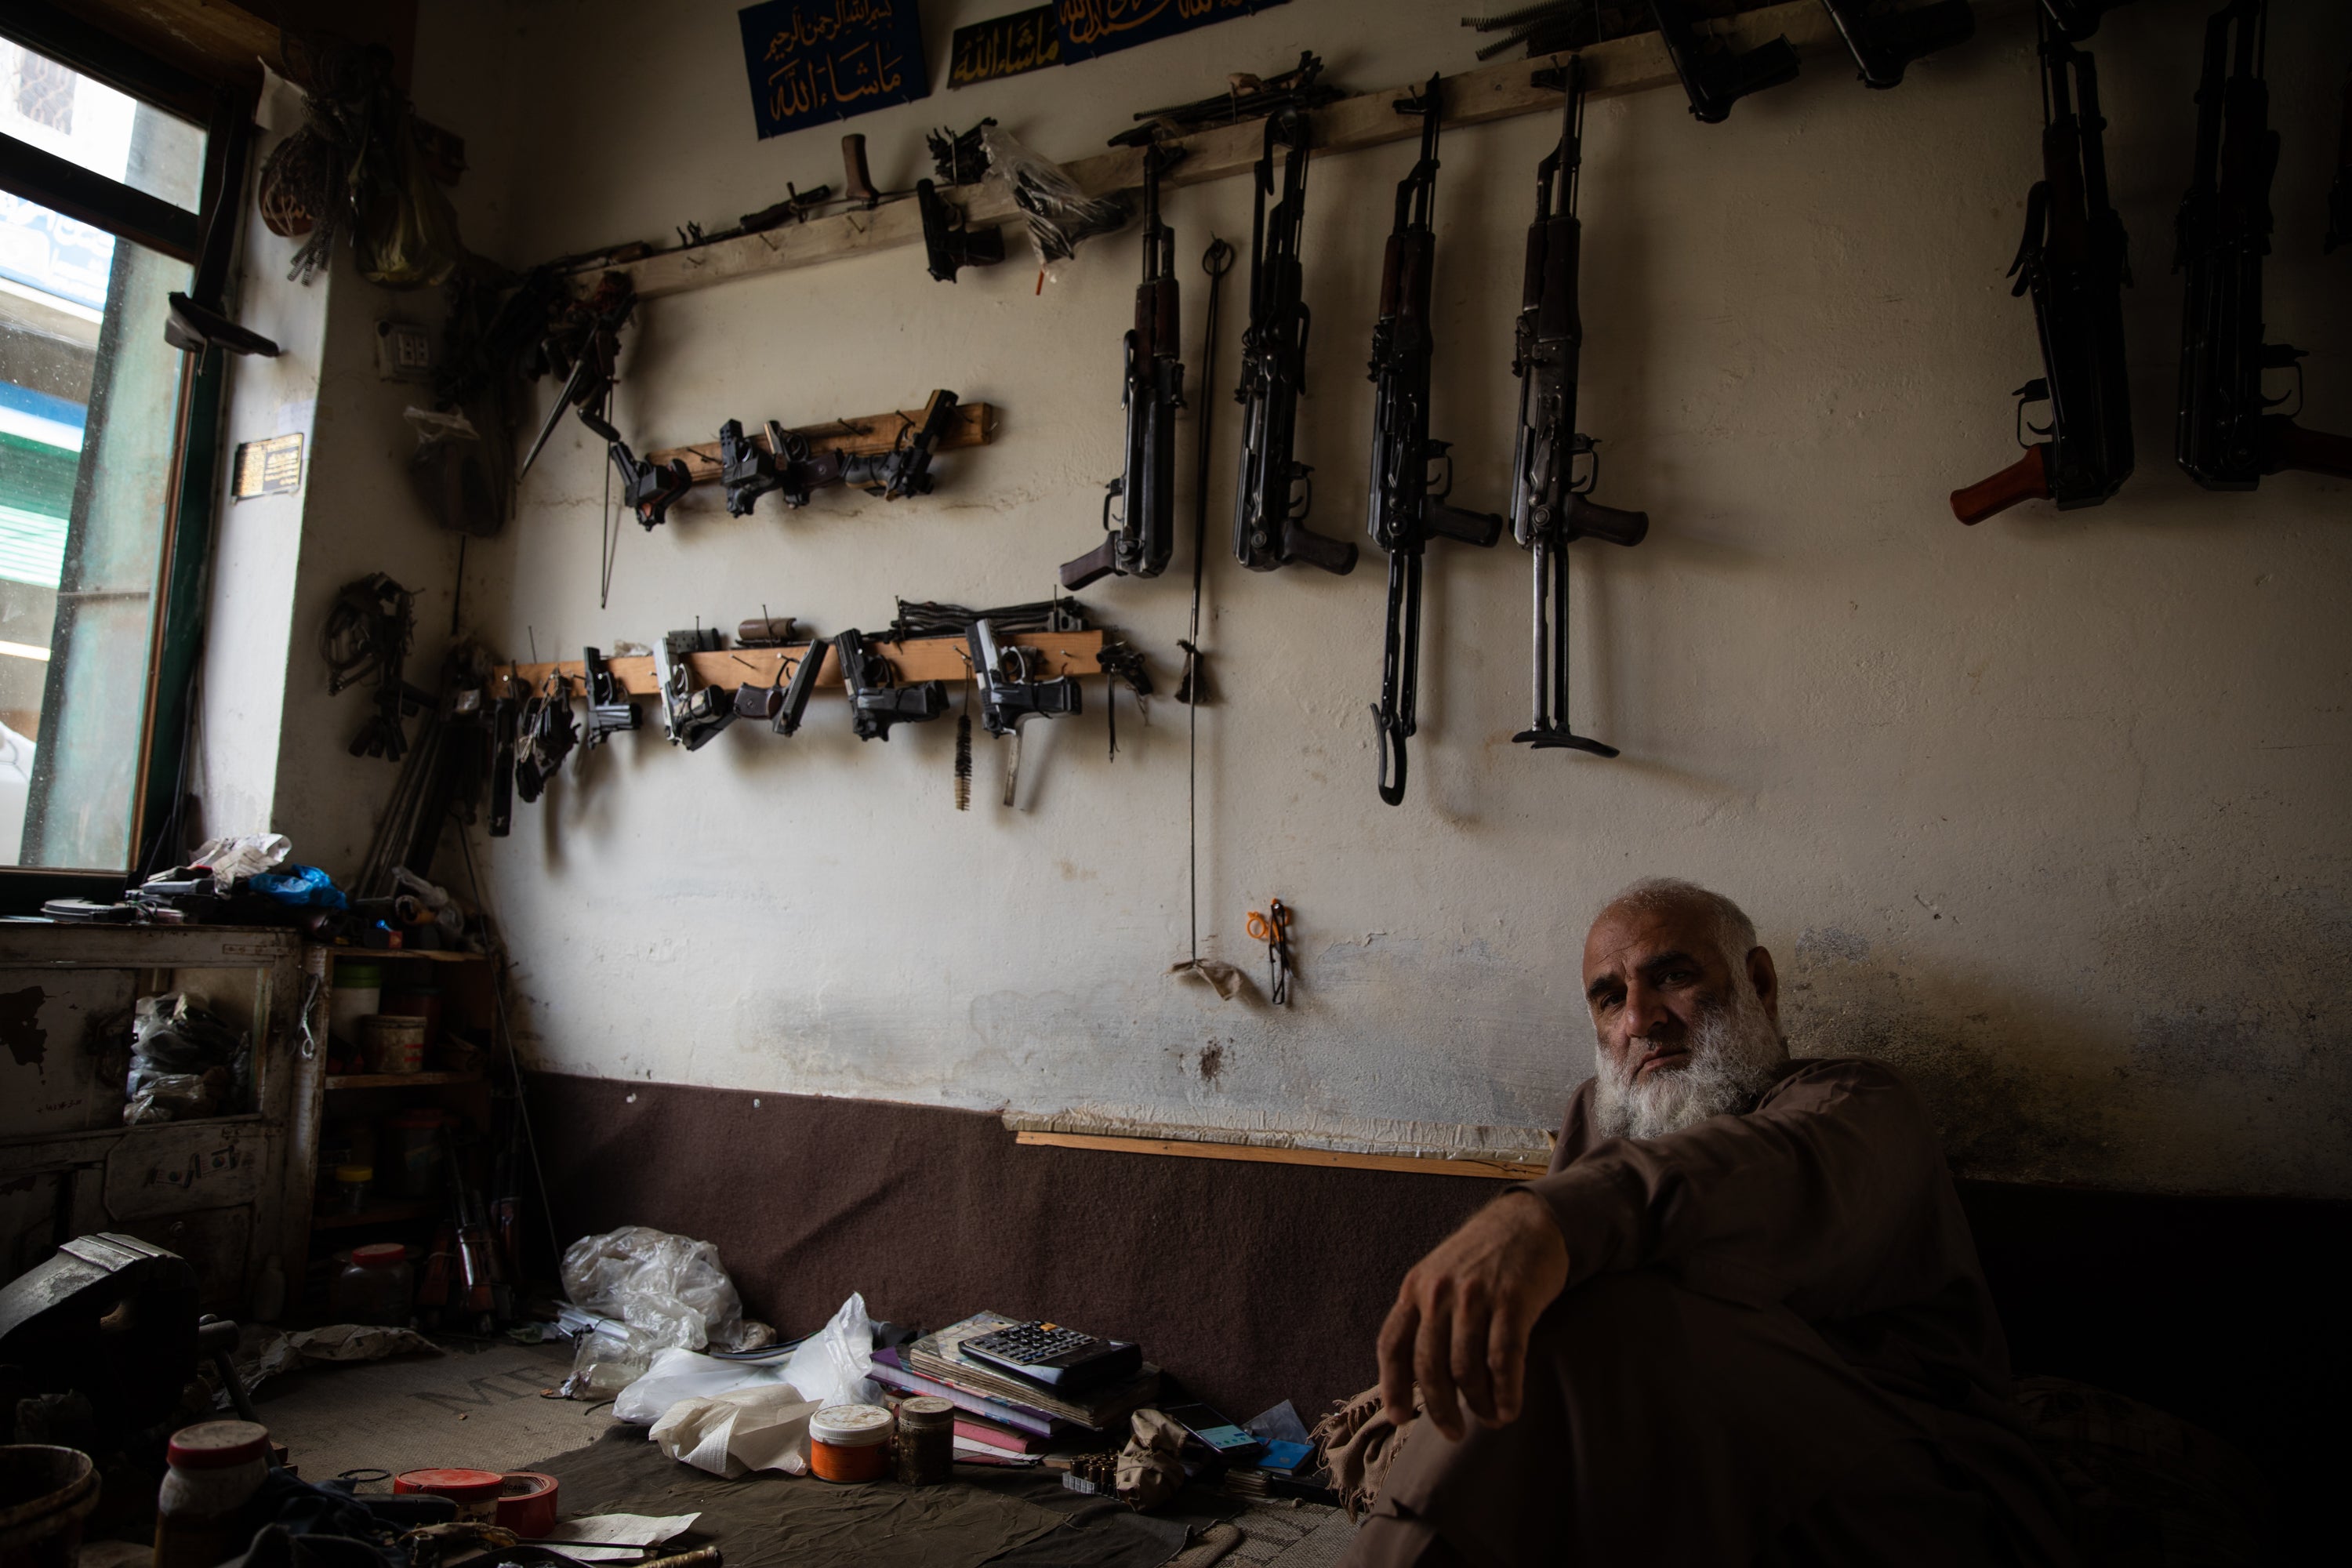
<point>1021,1519</point>
<point>768,1521</point>
<point>1306,1535</point>
<point>475,1407</point>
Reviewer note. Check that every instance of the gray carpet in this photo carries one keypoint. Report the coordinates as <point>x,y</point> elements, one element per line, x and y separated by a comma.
<point>476,1406</point>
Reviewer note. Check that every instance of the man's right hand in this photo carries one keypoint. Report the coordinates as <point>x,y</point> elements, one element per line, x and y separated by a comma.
<point>1462,1317</point>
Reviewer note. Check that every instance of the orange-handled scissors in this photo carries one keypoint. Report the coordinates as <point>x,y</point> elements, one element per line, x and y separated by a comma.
<point>1273,928</point>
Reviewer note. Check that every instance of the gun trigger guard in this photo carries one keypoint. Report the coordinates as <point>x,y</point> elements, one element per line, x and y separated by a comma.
<point>1439,458</point>
<point>1300,505</point>
<point>2278,356</point>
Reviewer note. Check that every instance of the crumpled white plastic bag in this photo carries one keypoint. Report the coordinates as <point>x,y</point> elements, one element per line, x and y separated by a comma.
<point>671,1287</point>
<point>762,1428</point>
<point>677,1374</point>
<point>753,1417</point>
<point>660,1291</point>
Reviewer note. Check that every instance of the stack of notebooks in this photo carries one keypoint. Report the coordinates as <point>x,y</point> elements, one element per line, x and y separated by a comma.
<point>1000,1414</point>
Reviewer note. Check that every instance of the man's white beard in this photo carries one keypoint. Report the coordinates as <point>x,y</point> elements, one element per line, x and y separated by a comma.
<point>1734,1052</point>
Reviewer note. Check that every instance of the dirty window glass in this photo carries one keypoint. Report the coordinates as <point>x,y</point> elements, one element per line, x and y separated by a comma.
<point>89,396</point>
<point>89,124</point>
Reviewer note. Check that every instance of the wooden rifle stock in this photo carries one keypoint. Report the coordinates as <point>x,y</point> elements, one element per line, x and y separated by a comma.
<point>1095,564</point>
<point>2027,478</point>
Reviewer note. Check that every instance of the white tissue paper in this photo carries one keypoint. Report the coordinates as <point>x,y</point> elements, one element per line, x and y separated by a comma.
<point>728,1417</point>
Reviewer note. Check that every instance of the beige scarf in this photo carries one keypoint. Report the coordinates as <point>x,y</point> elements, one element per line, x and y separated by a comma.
<point>1357,1443</point>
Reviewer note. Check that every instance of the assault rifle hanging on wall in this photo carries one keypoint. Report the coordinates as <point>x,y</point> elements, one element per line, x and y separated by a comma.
<point>1140,543</point>
<point>2073,261</point>
<point>2227,438</point>
<point>1269,504</point>
<point>1550,504</point>
<point>1408,507</point>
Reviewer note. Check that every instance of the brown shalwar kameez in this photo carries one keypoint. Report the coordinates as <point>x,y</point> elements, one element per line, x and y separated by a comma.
<point>1775,1346</point>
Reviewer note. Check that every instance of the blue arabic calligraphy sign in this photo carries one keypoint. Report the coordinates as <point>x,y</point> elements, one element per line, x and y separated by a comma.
<point>817,61</point>
<point>1092,27</point>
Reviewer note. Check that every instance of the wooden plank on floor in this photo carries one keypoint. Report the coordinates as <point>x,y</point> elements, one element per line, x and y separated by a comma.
<point>1185,1149</point>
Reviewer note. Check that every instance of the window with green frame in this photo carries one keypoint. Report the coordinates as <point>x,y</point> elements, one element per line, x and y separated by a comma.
<point>108,437</point>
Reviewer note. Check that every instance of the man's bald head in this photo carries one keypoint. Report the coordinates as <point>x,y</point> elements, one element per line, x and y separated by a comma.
<point>1685,1008</point>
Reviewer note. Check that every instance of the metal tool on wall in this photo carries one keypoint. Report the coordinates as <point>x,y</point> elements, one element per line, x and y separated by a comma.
<point>1882,45</point>
<point>1715,77</point>
<point>1273,928</point>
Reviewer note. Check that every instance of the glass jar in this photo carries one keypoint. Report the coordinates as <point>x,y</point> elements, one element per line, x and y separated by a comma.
<point>215,1469</point>
<point>352,1184</point>
<point>412,1153</point>
<point>416,999</point>
<point>926,1440</point>
<point>376,1286</point>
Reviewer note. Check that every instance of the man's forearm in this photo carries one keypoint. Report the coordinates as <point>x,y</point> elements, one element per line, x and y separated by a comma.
<point>1758,1208</point>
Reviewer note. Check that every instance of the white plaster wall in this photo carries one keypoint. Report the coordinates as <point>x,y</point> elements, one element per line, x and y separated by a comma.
<point>257,543</point>
<point>273,742</point>
<point>2050,812</point>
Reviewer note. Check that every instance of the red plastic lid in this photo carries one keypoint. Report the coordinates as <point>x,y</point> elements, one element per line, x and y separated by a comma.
<point>379,1255</point>
<point>217,1444</point>
<point>469,1486</point>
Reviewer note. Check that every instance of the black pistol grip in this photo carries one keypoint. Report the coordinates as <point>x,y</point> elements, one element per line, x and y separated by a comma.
<point>1479,528</point>
<point>1300,543</point>
<point>1611,525</point>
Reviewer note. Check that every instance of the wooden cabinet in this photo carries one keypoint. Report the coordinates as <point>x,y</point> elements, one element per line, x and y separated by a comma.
<point>230,1193</point>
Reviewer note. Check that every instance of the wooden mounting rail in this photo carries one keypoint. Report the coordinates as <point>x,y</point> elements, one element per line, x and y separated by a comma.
<point>1185,1149</point>
<point>916,658</point>
<point>1498,91</point>
<point>868,434</point>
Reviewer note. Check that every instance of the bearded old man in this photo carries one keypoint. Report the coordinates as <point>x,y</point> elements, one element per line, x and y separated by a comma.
<point>1741,1320</point>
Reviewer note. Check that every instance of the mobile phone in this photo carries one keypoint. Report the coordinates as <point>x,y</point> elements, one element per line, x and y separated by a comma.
<point>1228,1440</point>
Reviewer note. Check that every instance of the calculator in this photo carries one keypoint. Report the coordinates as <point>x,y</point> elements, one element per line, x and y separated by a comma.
<point>1055,1356</point>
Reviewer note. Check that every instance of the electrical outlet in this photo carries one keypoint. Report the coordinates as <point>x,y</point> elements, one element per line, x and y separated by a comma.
<point>404,352</point>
